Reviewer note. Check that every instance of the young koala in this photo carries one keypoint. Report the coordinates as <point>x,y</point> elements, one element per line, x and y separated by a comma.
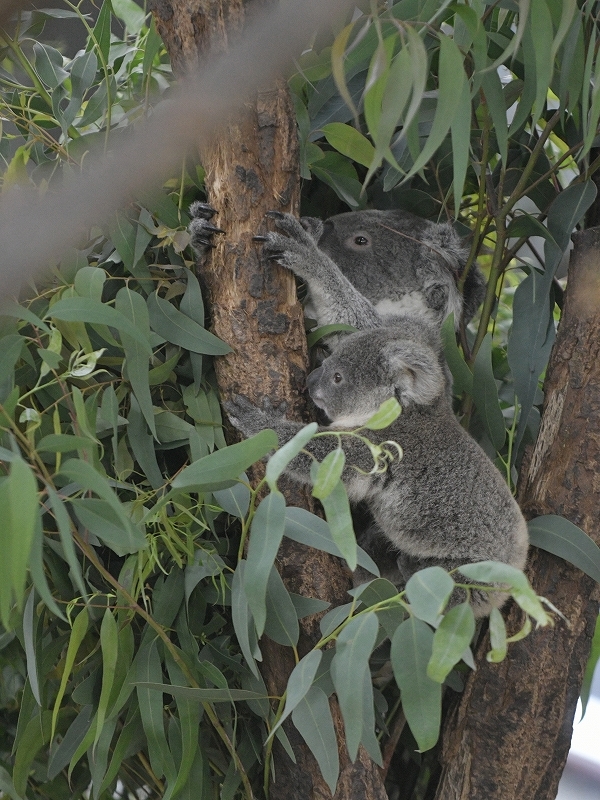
<point>393,260</point>
<point>443,503</point>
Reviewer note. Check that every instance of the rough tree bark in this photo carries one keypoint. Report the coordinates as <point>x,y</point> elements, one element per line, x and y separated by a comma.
<point>251,168</point>
<point>509,734</point>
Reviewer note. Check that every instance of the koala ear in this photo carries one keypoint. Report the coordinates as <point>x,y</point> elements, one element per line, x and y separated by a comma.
<point>313,226</point>
<point>415,371</point>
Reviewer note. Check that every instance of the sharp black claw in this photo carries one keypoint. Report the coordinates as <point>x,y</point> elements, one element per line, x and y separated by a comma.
<point>213,229</point>
<point>275,214</point>
<point>260,239</point>
<point>204,210</point>
<point>275,256</point>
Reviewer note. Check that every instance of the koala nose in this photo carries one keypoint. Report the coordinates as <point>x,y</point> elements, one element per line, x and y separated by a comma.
<point>313,379</point>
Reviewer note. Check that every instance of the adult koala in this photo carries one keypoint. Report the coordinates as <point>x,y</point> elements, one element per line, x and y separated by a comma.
<point>395,260</point>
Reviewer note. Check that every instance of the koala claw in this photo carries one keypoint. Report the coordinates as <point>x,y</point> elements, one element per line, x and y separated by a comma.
<point>202,210</point>
<point>261,239</point>
<point>275,214</point>
<point>201,230</point>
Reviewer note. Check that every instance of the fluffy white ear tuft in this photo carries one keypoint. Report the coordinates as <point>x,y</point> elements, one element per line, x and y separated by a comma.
<point>415,371</point>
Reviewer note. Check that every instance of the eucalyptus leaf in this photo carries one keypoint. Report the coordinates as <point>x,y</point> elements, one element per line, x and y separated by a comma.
<point>564,539</point>
<point>411,651</point>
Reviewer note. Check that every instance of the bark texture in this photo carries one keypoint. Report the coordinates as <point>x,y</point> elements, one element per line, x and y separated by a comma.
<point>251,168</point>
<point>509,734</point>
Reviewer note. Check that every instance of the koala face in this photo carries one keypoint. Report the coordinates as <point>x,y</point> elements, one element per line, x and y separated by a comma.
<point>366,242</point>
<point>368,368</point>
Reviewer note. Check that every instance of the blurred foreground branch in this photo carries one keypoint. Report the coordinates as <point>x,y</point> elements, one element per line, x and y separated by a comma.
<point>36,230</point>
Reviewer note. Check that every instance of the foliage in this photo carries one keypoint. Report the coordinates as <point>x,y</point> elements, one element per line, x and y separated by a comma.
<point>129,648</point>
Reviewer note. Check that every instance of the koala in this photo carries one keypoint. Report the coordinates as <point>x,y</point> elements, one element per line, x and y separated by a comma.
<point>444,502</point>
<point>393,260</point>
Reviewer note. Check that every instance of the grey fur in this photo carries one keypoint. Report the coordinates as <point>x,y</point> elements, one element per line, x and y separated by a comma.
<point>444,502</point>
<point>399,262</point>
<point>404,264</point>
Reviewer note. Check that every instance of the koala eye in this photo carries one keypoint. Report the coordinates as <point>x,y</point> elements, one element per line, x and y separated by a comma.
<point>359,240</point>
<point>337,378</point>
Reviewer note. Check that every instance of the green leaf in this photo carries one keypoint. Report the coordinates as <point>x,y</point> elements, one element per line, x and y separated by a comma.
<point>142,445</point>
<point>19,524</point>
<point>280,459</point>
<point>450,641</point>
<point>220,470</point>
<point>63,523</point>
<point>428,592</point>
<point>460,131</point>
<point>189,713</point>
<point>541,24</point>
<point>133,306</point>
<point>84,475</point>
<point>35,735</point>
<point>559,536</point>
<point>492,88</point>
<point>63,443</point>
<point>353,649</point>
<point>388,412</point>
<point>326,330</point>
<point>308,529</point>
<point>177,328</point>
<point>498,641</point>
<point>461,374</point>
<point>312,718</point>
<point>339,519</point>
<point>236,499</point>
<point>350,142</point>
<point>281,624</point>
<point>300,680</point>
<point>132,15</point>
<point>452,81</point>
<point>568,210</point>
<point>7,786</point>
<point>149,673</point>
<point>38,574</point>
<point>266,534</point>
<point>113,529</point>
<point>485,394</point>
<point>78,631</point>
<point>494,571</point>
<point>84,309</point>
<point>243,623</point>
<point>202,695</point>
<point>109,645</point>
<point>12,346</point>
<point>421,697</point>
<point>336,171</point>
<point>100,36</point>
<point>329,473</point>
<point>31,644</point>
<point>61,755</point>
<point>49,65</point>
<point>529,343</point>
<point>590,668</point>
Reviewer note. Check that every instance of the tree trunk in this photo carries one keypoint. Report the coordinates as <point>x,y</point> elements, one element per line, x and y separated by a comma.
<point>509,735</point>
<point>251,168</point>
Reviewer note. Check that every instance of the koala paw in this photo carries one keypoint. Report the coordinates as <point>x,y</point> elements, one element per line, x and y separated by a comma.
<point>200,228</point>
<point>294,248</point>
<point>249,418</point>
